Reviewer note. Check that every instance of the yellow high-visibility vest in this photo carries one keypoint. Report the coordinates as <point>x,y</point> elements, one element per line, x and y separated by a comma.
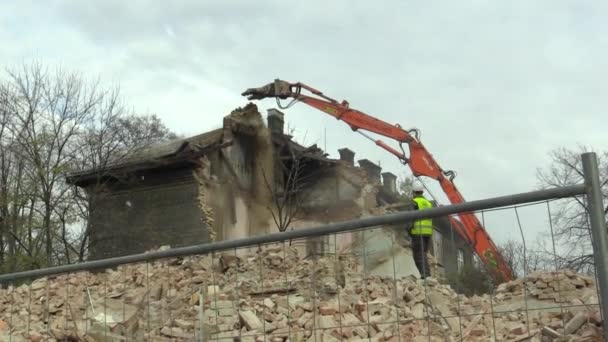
<point>423,226</point>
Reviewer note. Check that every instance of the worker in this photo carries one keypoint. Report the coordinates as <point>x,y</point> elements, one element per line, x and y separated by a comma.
<point>421,232</point>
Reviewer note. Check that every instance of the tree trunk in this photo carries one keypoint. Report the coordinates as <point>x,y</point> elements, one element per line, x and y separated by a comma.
<point>12,244</point>
<point>46,224</point>
<point>5,235</point>
<point>84,244</point>
<point>64,237</point>
<point>2,230</point>
<point>30,220</point>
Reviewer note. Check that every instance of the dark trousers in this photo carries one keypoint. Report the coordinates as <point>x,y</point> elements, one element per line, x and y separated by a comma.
<point>420,246</point>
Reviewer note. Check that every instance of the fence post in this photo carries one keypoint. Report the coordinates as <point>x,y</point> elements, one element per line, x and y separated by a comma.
<point>599,234</point>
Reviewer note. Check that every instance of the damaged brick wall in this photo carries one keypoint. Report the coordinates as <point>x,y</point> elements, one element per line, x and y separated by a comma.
<point>205,186</point>
<point>153,209</point>
<point>225,194</point>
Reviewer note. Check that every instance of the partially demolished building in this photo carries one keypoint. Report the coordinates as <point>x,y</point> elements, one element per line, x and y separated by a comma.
<point>244,179</point>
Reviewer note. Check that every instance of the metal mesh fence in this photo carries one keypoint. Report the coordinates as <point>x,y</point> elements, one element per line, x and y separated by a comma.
<point>356,284</point>
<point>278,292</point>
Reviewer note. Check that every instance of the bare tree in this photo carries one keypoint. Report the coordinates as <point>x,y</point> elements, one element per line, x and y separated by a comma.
<point>524,260</point>
<point>405,187</point>
<point>5,173</point>
<point>569,216</point>
<point>51,124</point>
<point>16,188</point>
<point>49,109</point>
<point>287,193</point>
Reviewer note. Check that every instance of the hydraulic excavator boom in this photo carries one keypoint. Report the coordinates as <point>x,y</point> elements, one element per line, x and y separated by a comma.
<point>420,160</point>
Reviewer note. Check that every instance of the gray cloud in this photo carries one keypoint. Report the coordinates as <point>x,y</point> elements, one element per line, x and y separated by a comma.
<point>493,86</point>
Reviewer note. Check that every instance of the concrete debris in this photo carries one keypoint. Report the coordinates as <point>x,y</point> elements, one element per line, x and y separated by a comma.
<point>559,287</point>
<point>547,331</point>
<point>275,293</point>
<point>575,323</point>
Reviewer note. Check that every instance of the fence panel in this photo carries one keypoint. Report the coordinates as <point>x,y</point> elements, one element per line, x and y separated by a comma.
<point>352,281</point>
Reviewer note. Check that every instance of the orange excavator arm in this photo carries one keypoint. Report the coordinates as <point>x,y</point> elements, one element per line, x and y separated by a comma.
<point>420,160</point>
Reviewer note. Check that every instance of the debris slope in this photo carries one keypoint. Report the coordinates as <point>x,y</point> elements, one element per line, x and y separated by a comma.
<point>273,292</point>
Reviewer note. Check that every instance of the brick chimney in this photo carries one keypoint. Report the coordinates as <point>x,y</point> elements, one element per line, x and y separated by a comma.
<point>276,121</point>
<point>373,170</point>
<point>389,182</point>
<point>347,156</point>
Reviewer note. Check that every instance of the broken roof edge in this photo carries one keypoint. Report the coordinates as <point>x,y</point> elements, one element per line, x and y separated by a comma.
<point>150,157</point>
<point>166,153</point>
<point>312,152</point>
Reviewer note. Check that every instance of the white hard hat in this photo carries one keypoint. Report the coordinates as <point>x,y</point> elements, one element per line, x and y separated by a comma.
<point>417,188</point>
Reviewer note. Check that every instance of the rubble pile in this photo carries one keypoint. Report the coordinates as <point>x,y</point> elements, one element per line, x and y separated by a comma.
<point>563,286</point>
<point>273,294</point>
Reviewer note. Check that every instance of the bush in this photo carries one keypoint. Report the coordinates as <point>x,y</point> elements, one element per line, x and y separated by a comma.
<point>470,281</point>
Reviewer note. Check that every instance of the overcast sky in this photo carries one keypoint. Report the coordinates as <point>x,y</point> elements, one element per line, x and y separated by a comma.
<point>494,86</point>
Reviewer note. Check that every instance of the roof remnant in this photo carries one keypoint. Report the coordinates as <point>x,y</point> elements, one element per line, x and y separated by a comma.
<point>152,156</point>
<point>243,121</point>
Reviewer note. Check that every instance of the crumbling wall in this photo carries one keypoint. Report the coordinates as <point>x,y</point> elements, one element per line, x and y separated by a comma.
<point>385,256</point>
<point>251,159</point>
<point>248,123</point>
<point>332,198</point>
<point>367,199</point>
<point>337,186</point>
<point>238,228</point>
<point>207,198</point>
<point>154,209</point>
<point>345,194</point>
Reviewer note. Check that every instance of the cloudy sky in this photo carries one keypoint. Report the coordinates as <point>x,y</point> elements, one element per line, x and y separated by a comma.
<point>494,86</point>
